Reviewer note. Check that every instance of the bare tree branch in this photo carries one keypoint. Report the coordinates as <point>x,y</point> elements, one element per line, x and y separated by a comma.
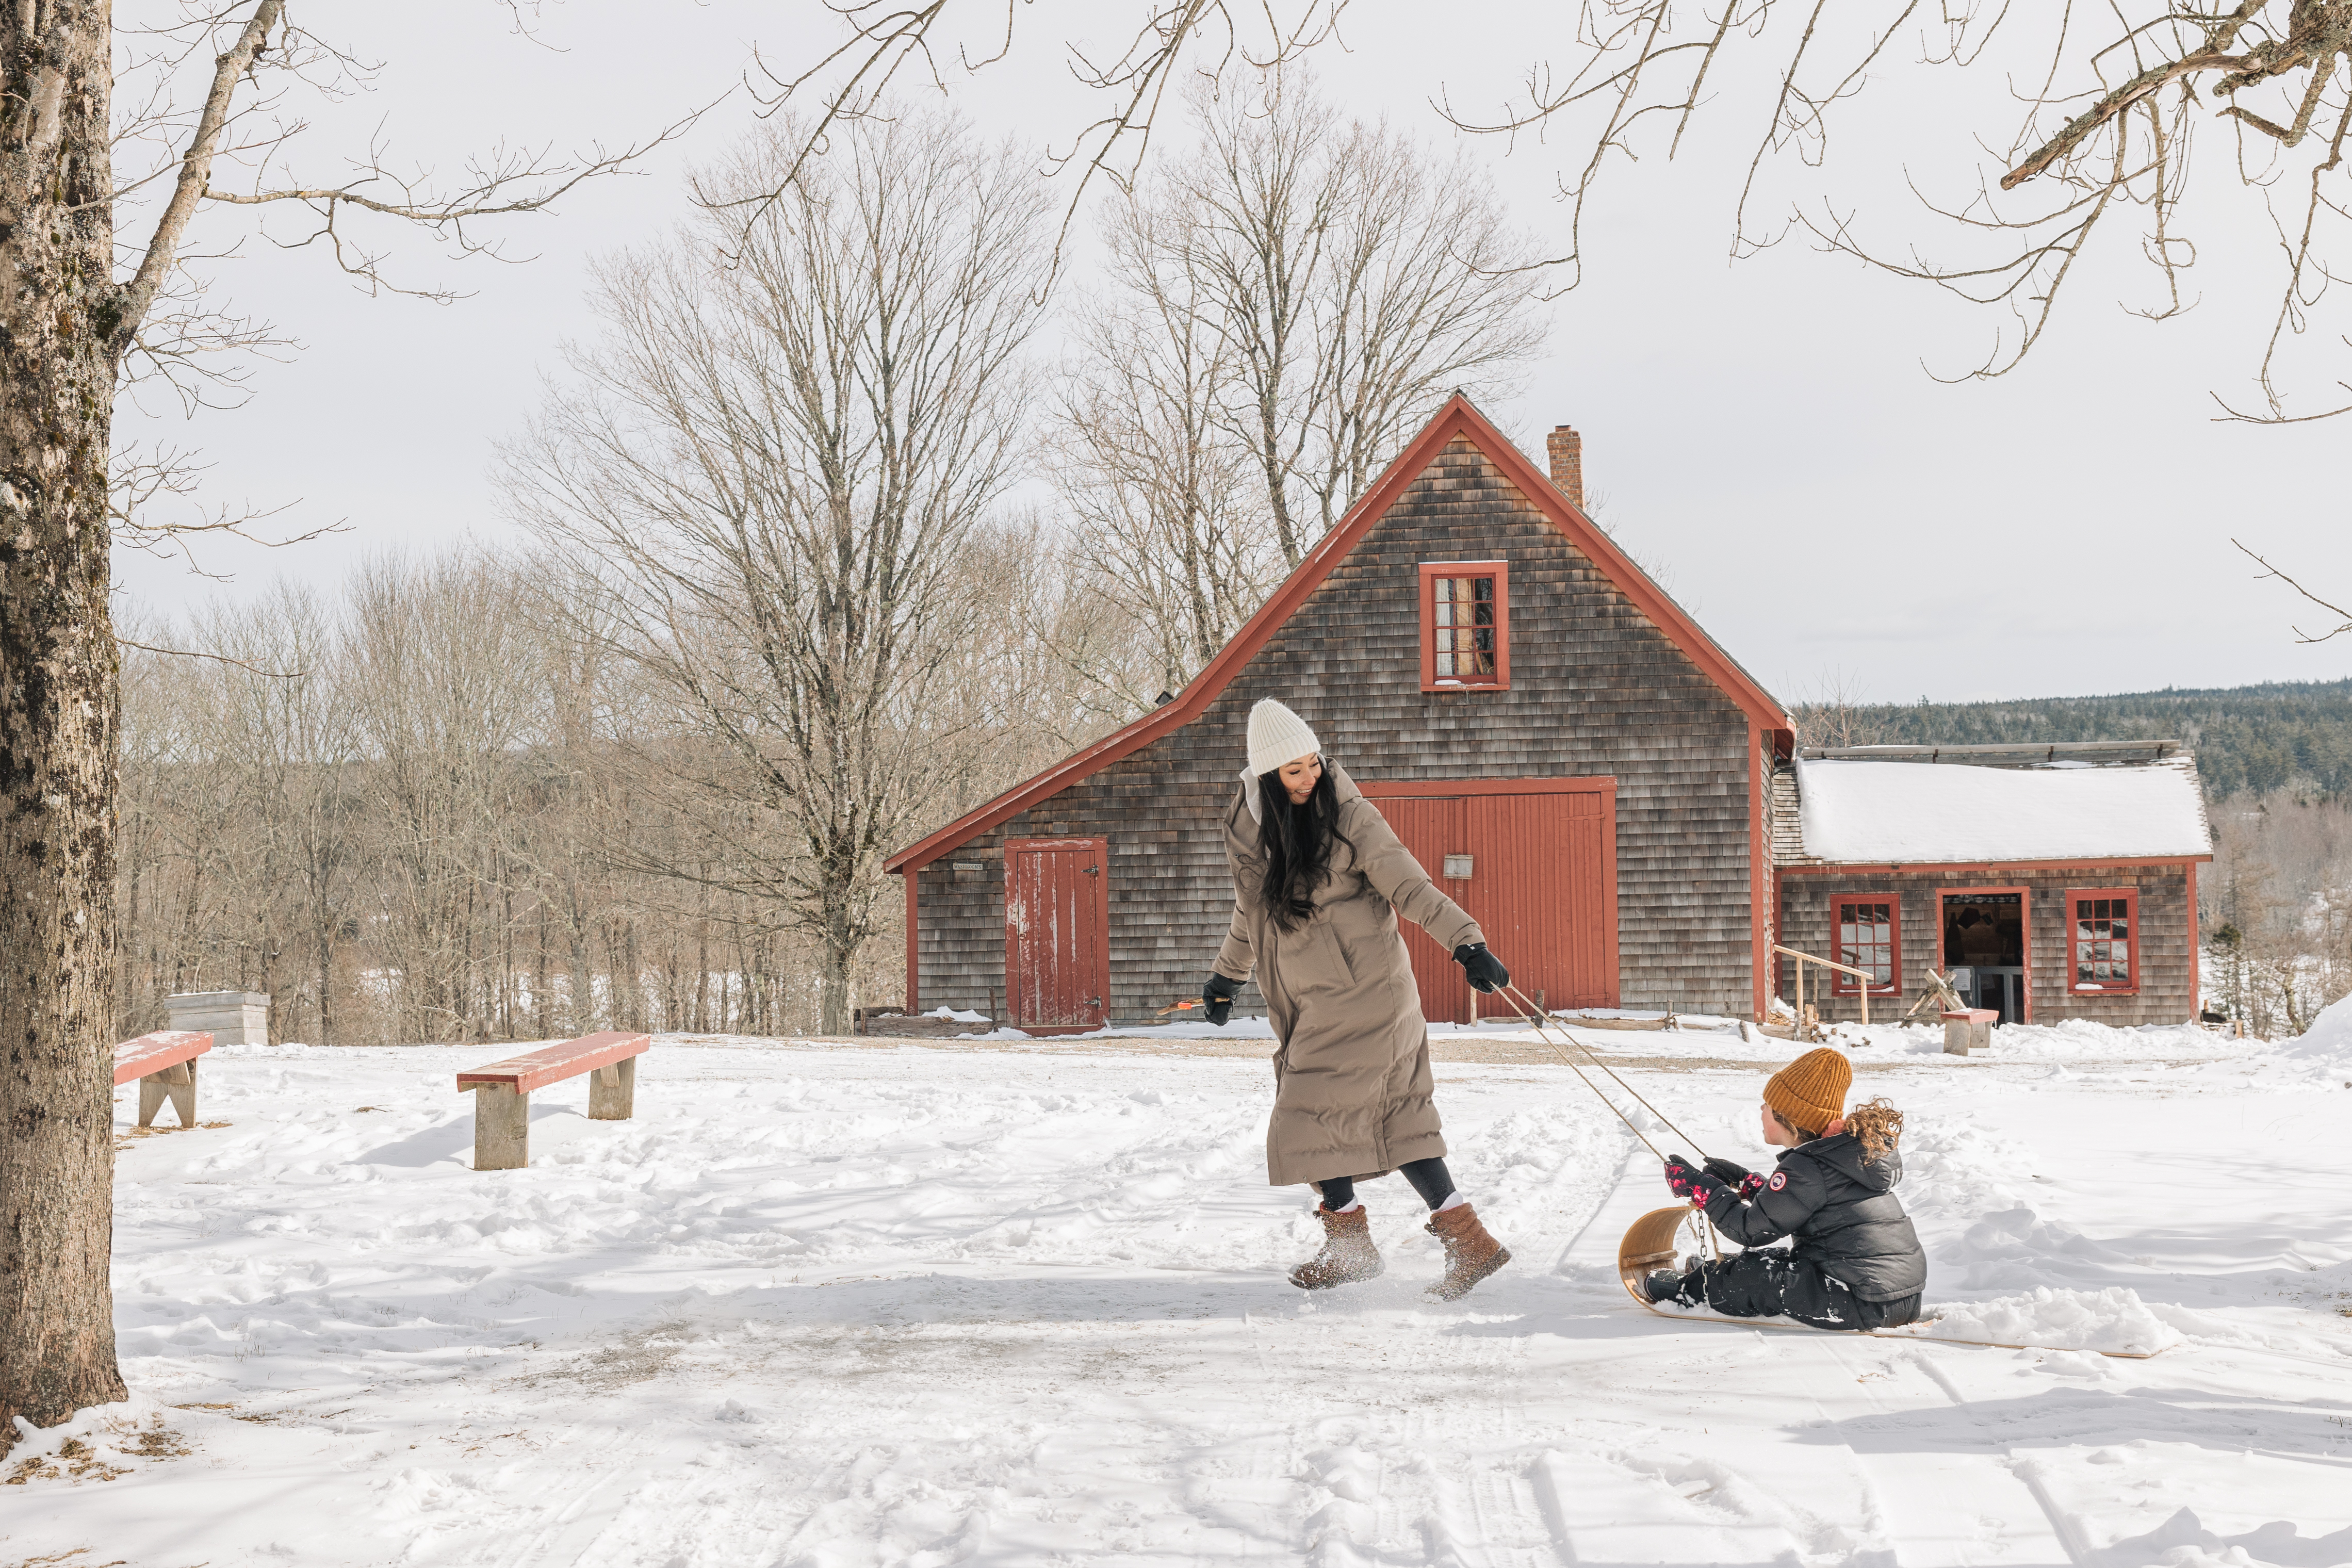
<point>218,658</point>
<point>886,34</point>
<point>2270,570</point>
<point>2105,130</point>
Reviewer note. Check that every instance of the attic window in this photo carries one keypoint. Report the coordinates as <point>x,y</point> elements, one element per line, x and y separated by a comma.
<point>2103,941</point>
<point>1466,625</point>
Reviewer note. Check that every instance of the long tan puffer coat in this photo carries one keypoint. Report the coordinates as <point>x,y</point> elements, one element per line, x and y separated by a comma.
<point>1352,1093</point>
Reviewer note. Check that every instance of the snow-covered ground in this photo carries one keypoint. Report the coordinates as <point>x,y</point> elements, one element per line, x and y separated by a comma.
<point>929,1305</point>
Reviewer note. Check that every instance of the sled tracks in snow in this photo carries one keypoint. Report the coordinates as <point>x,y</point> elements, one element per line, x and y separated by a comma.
<point>1652,1243</point>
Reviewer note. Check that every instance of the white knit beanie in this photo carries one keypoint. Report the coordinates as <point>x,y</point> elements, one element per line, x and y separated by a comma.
<point>1277,736</point>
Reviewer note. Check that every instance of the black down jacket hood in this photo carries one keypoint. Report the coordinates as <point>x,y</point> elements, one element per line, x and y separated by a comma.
<point>1842,1213</point>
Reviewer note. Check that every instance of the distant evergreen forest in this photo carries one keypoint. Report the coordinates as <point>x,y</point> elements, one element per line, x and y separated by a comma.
<point>2262,738</point>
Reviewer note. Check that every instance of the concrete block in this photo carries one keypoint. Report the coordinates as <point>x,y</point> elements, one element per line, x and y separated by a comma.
<point>1969,1029</point>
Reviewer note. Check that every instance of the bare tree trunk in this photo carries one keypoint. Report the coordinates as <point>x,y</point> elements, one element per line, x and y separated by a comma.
<point>57,691</point>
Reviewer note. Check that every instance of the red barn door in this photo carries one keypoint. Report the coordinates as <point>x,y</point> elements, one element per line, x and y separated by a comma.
<point>1057,932</point>
<point>1534,861</point>
<point>1431,826</point>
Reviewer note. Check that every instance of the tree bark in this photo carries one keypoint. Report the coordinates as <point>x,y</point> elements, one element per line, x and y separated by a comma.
<point>59,314</point>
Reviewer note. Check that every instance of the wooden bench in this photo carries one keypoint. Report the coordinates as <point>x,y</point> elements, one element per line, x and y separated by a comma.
<point>502,1091</point>
<point>165,1063</point>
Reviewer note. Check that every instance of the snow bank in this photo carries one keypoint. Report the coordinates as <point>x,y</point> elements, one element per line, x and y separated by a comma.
<point>2114,1319</point>
<point>2328,1041</point>
<point>1903,812</point>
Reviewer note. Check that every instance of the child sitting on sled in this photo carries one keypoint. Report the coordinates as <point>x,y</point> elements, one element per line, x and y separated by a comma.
<point>1855,1262</point>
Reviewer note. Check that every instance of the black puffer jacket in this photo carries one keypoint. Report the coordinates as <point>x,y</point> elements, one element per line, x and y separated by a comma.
<point>1842,1213</point>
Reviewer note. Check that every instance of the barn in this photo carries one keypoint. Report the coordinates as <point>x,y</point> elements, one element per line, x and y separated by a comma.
<point>1619,805</point>
<point>2049,882</point>
<point>1547,730</point>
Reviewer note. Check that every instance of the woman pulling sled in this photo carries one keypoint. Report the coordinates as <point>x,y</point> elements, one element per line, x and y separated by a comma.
<point>1318,882</point>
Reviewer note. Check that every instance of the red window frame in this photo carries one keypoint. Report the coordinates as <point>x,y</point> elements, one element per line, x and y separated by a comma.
<point>1432,572</point>
<point>1843,985</point>
<point>2090,939</point>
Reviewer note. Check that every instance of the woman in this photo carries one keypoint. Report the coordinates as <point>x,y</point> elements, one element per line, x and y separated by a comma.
<point>1318,881</point>
<point>1855,1261</point>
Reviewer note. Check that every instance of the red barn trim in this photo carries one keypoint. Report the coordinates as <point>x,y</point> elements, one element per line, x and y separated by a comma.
<point>1459,418</point>
<point>2024,934</point>
<point>2070,977</point>
<point>1501,573</point>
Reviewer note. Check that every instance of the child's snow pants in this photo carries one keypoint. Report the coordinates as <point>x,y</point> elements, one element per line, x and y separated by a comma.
<point>1772,1281</point>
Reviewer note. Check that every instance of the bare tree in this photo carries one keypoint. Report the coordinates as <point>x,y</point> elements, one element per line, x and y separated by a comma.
<point>1357,282</point>
<point>79,310</point>
<point>770,466</point>
<point>2280,898</point>
<point>441,648</point>
<point>1835,714</point>
<point>1170,529</point>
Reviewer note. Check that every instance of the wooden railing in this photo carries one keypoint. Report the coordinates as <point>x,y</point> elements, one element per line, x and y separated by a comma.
<point>1864,975</point>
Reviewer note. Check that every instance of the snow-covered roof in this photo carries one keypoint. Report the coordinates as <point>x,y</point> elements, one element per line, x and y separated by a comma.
<point>1909,812</point>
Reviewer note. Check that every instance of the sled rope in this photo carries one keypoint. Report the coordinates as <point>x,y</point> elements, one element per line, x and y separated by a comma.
<point>1519,1004</point>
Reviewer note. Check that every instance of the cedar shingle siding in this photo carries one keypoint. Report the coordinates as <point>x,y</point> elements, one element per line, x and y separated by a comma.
<point>1596,690</point>
<point>2165,924</point>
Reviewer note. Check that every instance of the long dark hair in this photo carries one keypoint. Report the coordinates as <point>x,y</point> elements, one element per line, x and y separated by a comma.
<point>1297,841</point>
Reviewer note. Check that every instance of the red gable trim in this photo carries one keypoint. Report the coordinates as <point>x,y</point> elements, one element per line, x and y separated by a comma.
<point>1458,417</point>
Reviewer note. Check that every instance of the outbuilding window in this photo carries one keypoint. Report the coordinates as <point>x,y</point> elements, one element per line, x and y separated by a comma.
<point>1866,932</point>
<point>2102,939</point>
<point>1466,625</point>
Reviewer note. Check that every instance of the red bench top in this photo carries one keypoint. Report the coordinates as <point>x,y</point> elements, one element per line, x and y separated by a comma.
<point>552,1064</point>
<point>154,1053</point>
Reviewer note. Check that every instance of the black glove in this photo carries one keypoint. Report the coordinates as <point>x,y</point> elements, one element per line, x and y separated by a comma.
<point>1486,970</point>
<point>1219,994</point>
<point>1724,1171</point>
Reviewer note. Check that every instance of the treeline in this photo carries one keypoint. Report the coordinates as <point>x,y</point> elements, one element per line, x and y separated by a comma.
<point>2276,908</point>
<point>429,807</point>
<point>2290,736</point>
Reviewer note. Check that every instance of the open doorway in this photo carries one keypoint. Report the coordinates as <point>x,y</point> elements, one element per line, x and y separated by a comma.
<point>1985,948</point>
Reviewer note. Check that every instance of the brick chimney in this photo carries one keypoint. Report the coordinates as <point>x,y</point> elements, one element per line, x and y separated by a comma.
<point>1568,464</point>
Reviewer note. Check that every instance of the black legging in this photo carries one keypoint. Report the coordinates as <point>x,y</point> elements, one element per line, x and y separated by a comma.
<point>1429,1178</point>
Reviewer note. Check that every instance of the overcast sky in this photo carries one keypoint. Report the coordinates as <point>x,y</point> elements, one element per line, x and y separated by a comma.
<point>1766,434</point>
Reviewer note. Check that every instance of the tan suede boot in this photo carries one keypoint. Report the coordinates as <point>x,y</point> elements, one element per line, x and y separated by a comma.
<point>1470,1253</point>
<point>1348,1254</point>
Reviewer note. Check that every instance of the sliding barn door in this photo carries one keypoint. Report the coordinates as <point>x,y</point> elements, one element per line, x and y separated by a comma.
<point>1057,932</point>
<point>1534,862</point>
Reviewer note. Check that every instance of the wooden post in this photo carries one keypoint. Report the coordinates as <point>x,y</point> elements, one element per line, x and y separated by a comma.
<point>501,1128</point>
<point>612,1090</point>
<point>177,1082</point>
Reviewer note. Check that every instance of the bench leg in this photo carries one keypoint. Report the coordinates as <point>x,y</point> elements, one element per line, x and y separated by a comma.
<point>177,1082</point>
<point>501,1128</point>
<point>612,1092</point>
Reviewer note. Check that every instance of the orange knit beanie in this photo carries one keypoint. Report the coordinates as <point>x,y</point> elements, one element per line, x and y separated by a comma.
<point>1808,1094</point>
